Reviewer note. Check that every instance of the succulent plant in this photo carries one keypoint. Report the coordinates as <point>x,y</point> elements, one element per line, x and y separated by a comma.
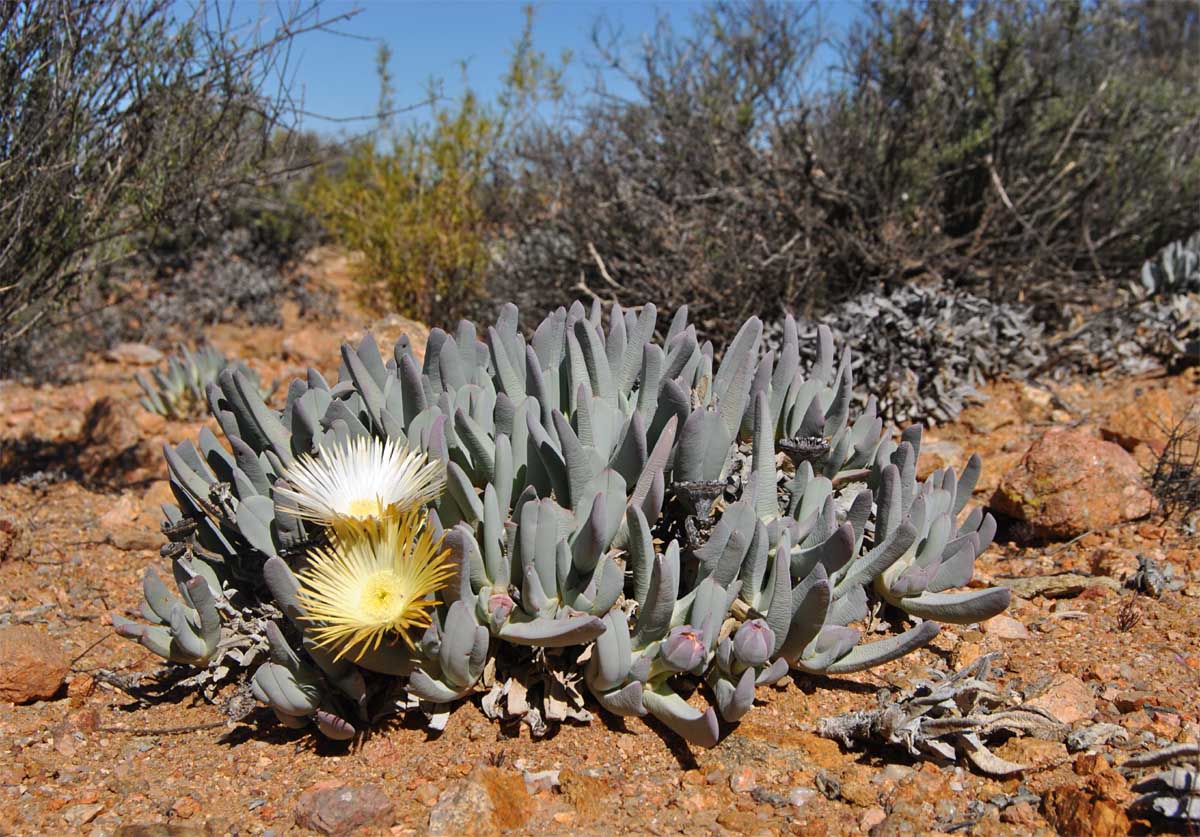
<point>614,512</point>
<point>1175,269</point>
<point>177,392</point>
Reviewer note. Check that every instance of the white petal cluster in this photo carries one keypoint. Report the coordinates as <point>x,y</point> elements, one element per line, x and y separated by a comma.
<point>350,484</point>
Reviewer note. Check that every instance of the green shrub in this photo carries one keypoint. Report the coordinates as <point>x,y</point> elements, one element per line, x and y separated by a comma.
<point>118,118</point>
<point>1020,149</point>
<point>417,204</point>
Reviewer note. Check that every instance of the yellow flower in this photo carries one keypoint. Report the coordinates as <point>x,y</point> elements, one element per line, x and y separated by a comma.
<point>373,583</point>
<point>349,485</point>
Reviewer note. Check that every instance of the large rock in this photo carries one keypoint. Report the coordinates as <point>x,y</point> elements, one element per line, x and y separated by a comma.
<point>487,801</point>
<point>335,808</point>
<point>111,443</point>
<point>1070,482</point>
<point>32,665</point>
<point>318,346</point>
<point>1148,419</point>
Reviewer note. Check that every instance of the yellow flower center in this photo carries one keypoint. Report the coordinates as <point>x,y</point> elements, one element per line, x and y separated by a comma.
<point>363,507</point>
<point>383,597</point>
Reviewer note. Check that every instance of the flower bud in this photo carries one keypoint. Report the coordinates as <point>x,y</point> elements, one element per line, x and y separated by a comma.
<point>753,642</point>
<point>683,649</point>
<point>499,606</point>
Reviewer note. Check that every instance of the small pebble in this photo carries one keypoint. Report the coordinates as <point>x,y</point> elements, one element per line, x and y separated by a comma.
<point>801,796</point>
<point>743,780</point>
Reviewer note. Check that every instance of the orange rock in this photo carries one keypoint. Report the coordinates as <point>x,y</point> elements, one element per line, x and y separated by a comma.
<point>1148,419</point>
<point>33,665</point>
<point>1070,482</point>
<point>1067,698</point>
<point>1075,812</point>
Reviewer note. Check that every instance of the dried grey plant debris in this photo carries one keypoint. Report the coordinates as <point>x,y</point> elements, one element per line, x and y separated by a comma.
<point>1091,736</point>
<point>949,716</point>
<point>1173,793</point>
<point>927,349</point>
<point>1153,578</point>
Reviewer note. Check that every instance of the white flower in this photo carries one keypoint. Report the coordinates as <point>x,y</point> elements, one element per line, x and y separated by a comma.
<point>373,583</point>
<point>345,486</point>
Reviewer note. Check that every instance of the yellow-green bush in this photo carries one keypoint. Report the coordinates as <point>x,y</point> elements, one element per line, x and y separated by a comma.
<point>414,211</point>
<point>414,206</point>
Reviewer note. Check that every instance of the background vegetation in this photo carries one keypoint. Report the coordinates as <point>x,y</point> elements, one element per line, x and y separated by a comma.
<point>1025,151</point>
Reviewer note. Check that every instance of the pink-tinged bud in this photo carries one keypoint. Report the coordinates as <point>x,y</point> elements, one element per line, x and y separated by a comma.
<point>683,649</point>
<point>499,606</point>
<point>753,642</point>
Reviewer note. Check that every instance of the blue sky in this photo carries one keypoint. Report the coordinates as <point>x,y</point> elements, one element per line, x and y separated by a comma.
<point>337,74</point>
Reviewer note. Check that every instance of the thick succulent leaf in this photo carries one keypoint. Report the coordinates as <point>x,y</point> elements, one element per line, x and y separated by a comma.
<point>508,381</point>
<point>735,701</point>
<point>288,691</point>
<point>334,727</point>
<point>777,603</point>
<point>629,460</point>
<point>154,638</point>
<point>766,499</point>
<point>833,553</point>
<point>462,492</point>
<point>596,360</point>
<point>699,728</point>
<point>655,611</point>
<point>890,509</point>
<point>205,604</point>
<point>773,673</point>
<point>755,565</point>
<point>285,589</point>
<point>810,604</point>
<point>651,376</point>
<point>254,519</point>
<point>849,607</point>
<point>870,566</point>
<point>495,566</point>
<point>812,420</point>
<point>467,557</point>
<point>832,644</point>
<point>956,571</point>
<point>554,633</point>
<point>632,355</point>
<point>966,483</point>
<point>959,608</point>
<point>464,646</point>
<point>607,582</point>
<point>428,688</point>
<point>370,388</point>
<point>157,599</point>
<point>395,659</point>
<point>412,391</point>
<point>881,651</point>
<point>611,655</point>
<point>641,552</point>
<point>626,701</point>
<point>704,447</point>
<point>504,472</point>
<point>549,458</point>
<point>656,464</point>
<point>722,555</point>
<point>480,448</point>
<point>184,476</point>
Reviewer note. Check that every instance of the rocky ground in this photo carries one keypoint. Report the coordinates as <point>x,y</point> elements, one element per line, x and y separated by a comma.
<point>81,478</point>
